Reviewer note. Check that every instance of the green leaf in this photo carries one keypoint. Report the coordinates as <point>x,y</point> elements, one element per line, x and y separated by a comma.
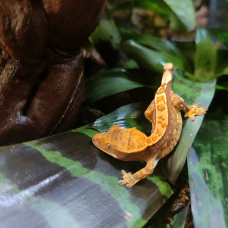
<point>205,60</point>
<point>106,39</point>
<point>180,218</point>
<point>150,59</point>
<point>160,7</point>
<point>181,16</point>
<point>188,50</point>
<point>154,42</point>
<point>208,172</point>
<point>192,93</point>
<point>184,10</point>
<point>127,116</point>
<point>107,31</point>
<point>221,64</point>
<point>156,6</point>
<point>222,86</point>
<point>220,34</point>
<point>160,219</point>
<point>65,181</point>
<point>117,80</point>
<point>86,130</point>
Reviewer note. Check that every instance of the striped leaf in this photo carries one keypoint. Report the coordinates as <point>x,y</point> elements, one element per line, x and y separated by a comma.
<point>208,172</point>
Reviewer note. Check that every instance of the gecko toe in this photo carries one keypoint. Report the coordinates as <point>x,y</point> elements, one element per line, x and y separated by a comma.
<point>121,182</point>
<point>125,173</point>
<point>202,111</point>
<point>197,105</point>
<point>129,185</point>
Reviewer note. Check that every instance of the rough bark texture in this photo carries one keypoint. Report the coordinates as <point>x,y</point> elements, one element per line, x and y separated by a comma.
<point>41,65</point>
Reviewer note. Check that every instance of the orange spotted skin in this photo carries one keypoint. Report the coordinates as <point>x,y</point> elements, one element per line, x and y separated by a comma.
<point>133,145</point>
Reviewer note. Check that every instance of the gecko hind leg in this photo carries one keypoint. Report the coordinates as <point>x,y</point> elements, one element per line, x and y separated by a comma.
<point>131,179</point>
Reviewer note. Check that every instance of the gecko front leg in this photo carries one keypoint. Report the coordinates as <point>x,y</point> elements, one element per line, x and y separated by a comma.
<point>190,111</point>
<point>130,179</point>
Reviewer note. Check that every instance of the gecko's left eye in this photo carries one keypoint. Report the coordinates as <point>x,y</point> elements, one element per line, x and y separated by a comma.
<point>109,146</point>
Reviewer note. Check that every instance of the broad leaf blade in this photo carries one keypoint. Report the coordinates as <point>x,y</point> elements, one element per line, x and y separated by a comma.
<point>179,220</point>
<point>192,93</point>
<point>65,181</point>
<point>205,60</point>
<point>160,7</point>
<point>223,85</point>
<point>150,59</point>
<point>176,17</point>
<point>181,16</point>
<point>106,39</point>
<point>157,43</point>
<point>184,11</point>
<point>156,6</point>
<point>188,50</point>
<point>127,116</point>
<point>208,176</point>
<point>118,80</point>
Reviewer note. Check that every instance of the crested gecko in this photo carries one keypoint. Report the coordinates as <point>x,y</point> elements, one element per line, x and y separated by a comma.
<point>133,145</point>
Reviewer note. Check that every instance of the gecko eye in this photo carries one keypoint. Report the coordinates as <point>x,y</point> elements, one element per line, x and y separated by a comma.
<point>109,146</point>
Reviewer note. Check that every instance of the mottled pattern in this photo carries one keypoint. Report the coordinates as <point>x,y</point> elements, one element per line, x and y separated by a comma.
<point>133,145</point>
<point>125,140</point>
<point>161,121</point>
<point>149,112</point>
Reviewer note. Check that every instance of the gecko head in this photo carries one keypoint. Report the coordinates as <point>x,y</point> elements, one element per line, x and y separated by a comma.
<point>103,142</point>
<point>168,73</point>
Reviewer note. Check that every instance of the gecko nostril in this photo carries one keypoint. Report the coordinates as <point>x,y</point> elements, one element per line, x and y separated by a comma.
<point>108,145</point>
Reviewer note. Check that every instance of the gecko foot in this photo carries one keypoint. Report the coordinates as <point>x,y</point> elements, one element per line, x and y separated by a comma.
<point>195,110</point>
<point>128,179</point>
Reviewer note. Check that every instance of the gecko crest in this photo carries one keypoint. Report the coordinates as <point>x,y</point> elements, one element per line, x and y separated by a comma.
<point>161,119</point>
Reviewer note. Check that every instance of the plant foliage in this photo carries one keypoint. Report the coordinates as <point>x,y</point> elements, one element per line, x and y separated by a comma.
<point>65,181</point>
